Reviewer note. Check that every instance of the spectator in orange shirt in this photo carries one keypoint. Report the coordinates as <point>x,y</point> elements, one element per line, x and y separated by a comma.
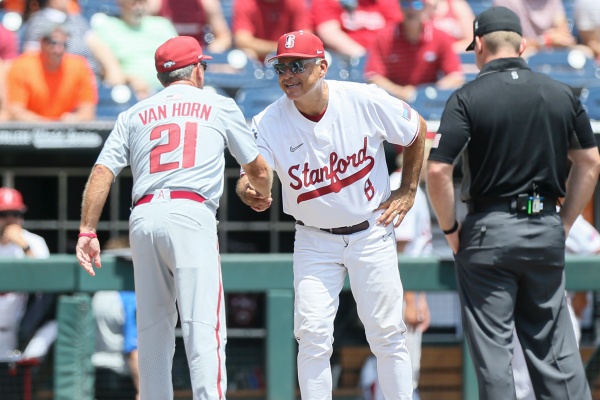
<point>349,27</point>
<point>258,24</point>
<point>51,84</point>
<point>25,8</point>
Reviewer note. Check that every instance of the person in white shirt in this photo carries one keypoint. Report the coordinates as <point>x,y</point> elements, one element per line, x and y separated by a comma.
<point>15,242</point>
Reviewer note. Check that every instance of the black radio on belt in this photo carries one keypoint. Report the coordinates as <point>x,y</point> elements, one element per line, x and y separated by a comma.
<point>530,204</point>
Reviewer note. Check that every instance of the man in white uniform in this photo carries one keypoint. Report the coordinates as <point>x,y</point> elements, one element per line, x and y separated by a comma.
<point>175,142</point>
<point>325,141</point>
<point>35,330</point>
<point>15,242</point>
<point>413,239</point>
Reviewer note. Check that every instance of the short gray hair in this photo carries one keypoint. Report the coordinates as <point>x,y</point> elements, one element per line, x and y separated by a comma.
<point>495,41</point>
<point>47,28</point>
<point>182,73</point>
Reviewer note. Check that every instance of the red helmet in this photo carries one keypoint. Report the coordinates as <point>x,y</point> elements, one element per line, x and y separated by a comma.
<point>11,200</point>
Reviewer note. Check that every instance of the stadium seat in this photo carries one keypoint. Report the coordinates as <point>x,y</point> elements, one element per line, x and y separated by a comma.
<point>568,66</point>
<point>479,6</point>
<point>467,63</point>
<point>344,68</point>
<point>113,100</point>
<point>11,20</point>
<point>91,7</point>
<point>590,99</point>
<point>430,101</point>
<point>233,70</point>
<point>217,90</point>
<point>570,14</point>
<point>227,7</point>
<point>255,99</point>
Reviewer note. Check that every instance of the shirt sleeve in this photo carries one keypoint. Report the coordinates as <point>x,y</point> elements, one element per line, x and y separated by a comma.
<point>325,10</point>
<point>450,59</point>
<point>242,16</point>
<point>583,128</point>
<point>115,152</point>
<point>240,140</point>
<point>8,44</point>
<point>453,134</point>
<point>302,17</point>
<point>399,121</point>
<point>263,147</point>
<point>17,83</point>
<point>375,61</point>
<point>130,324</point>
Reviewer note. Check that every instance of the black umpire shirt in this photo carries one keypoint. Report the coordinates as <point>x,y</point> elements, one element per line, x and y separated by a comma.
<point>516,127</point>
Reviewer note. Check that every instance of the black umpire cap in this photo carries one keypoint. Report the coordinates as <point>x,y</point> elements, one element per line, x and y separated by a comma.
<point>495,19</point>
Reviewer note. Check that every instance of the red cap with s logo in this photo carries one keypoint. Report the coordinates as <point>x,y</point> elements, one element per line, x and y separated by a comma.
<point>299,44</point>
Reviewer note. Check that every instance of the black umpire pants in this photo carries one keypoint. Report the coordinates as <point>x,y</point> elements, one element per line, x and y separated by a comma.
<point>510,271</point>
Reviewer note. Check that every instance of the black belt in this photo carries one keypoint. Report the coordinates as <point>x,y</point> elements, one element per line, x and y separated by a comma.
<point>508,205</point>
<point>344,230</point>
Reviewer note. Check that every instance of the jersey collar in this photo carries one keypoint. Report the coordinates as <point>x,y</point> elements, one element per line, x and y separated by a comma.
<point>503,64</point>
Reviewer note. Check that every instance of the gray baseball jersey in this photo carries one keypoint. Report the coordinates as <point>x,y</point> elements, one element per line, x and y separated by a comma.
<point>175,139</point>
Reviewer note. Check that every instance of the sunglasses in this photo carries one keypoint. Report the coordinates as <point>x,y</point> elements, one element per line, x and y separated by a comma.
<point>203,63</point>
<point>53,42</point>
<point>14,214</point>
<point>415,5</point>
<point>297,67</point>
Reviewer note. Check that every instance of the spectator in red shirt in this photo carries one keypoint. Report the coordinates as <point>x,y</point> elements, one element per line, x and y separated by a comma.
<point>8,52</point>
<point>349,27</point>
<point>201,19</point>
<point>258,24</point>
<point>413,53</point>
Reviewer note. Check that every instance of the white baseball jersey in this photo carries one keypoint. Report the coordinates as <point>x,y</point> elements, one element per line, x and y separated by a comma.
<point>583,238</point>
<point>175,139</point>
<point>416,225</point>
<point>12,305</point>
<point>339,161</point>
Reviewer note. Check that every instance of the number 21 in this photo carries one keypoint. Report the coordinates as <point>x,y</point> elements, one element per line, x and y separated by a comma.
<point>190,136</point>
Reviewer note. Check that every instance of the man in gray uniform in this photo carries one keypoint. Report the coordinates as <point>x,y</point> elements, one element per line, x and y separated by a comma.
<point>175,142</point>
<point>517,131</point>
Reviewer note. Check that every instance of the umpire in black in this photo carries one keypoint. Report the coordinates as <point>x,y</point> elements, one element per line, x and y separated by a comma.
<point>525,142</point>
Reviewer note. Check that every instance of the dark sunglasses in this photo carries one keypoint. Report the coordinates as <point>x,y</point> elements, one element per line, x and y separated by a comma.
<point>53,42</point>
<point>203,63</point>
<point>415,5</point>
<point>297,67</point>
<point>14,214</point>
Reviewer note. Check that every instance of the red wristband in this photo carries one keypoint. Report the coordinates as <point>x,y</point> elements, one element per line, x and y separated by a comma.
<point>88,234</point>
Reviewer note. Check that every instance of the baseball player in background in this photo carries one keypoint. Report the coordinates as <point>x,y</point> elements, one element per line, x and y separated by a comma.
<point>325,141</point>
<point>175,142</point>
<point>413,239</point>
<point>15,242</point>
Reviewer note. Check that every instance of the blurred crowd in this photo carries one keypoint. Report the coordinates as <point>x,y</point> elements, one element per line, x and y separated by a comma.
<point>55,55</point>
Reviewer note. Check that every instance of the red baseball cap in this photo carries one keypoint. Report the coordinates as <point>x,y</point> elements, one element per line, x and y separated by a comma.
<point>178,52</point>
<point>299,44</point>
<point>11,200</point>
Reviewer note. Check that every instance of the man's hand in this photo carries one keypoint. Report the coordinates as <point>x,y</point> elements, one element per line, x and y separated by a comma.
<point>416,311</point>
<point>88,254</point>
<point>251,197</point>
<point>13,233</point>
<point>395,207</point>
